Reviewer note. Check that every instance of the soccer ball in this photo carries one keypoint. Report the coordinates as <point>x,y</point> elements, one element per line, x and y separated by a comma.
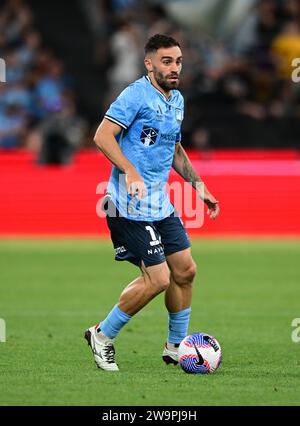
<point>199,353</point>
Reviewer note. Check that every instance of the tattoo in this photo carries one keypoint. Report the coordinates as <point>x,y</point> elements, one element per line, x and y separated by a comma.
<point>184,166</point>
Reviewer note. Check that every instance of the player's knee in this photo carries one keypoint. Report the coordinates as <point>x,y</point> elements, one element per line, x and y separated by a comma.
<point>186,275</point>
<point>192,270</point>
<point>161,282</point>
<point>165,282</point>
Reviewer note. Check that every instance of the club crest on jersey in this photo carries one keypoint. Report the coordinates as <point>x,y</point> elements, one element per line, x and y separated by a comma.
<point>179,114</point>
<point>149,135</point>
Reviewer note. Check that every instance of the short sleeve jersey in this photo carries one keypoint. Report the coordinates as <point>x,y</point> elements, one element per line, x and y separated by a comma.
<point>151,127</point>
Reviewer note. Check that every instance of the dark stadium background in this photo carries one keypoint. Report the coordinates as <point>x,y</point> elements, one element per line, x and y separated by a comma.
<point>65,62</point>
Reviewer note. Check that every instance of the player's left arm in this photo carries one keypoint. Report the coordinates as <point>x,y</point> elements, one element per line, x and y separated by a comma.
<point>183,166</point>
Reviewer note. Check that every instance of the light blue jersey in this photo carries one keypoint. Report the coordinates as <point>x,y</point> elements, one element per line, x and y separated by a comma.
<point>151,128</point>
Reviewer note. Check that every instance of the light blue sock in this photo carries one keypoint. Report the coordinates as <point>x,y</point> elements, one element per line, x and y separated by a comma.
<point>113,323</point>
<point>178,325</point>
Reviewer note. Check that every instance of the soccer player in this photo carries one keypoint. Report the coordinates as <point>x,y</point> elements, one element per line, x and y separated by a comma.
<point>140,135</point>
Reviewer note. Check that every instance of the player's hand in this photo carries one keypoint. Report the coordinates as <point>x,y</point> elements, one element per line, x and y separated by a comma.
<point>135,184</point>
<point>212,204</point>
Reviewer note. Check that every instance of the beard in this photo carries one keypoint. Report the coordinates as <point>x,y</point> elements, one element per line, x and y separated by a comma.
<point>163,81</point>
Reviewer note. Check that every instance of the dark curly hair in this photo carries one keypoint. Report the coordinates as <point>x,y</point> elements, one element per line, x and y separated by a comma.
<point>159,40</point>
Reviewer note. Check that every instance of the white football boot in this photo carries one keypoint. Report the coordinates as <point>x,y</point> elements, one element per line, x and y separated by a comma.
<point>170,353</point>
<point>102,348</point>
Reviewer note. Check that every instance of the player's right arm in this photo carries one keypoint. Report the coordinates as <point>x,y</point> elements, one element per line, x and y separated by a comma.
<point>105,139</point>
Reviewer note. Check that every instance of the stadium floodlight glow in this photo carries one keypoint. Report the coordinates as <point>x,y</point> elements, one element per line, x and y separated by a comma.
<point>2,71</point>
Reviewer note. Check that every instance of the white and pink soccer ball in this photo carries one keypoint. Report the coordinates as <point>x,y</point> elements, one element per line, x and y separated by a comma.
<point>199,353</point>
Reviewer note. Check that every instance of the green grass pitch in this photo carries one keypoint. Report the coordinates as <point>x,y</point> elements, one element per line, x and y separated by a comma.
<point>246,294</point>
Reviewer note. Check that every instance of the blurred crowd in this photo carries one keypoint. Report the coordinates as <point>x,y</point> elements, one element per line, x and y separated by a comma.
<point>37,104</point>
<point>244,75</point>
<point>241,77</point>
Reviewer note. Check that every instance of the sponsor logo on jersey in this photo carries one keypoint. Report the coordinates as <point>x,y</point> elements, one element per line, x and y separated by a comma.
<point>159,113</point>
<point>179,114</point>
<point>171,137</point>
<point>149,135</point>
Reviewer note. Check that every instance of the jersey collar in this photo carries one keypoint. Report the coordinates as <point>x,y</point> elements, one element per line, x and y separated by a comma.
<point>161,93</point>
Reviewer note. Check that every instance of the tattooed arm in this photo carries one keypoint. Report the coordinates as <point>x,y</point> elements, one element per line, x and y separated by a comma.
<point>183,166</point>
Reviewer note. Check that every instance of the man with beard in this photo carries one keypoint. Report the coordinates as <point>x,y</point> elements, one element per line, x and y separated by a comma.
<point>140,135</point>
